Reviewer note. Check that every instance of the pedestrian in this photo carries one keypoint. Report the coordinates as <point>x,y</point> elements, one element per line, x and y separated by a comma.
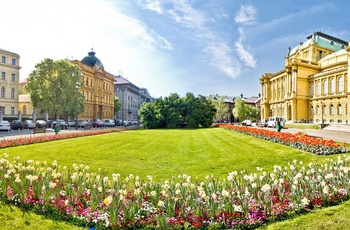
<point>278,126</point>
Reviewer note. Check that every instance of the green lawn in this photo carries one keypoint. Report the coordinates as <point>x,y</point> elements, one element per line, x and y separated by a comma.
<point>166,153</point>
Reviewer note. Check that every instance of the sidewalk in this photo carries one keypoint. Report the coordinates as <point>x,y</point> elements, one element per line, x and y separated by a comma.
<point>328,134</point>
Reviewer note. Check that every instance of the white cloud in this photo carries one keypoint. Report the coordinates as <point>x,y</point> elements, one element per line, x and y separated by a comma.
<point>153,5</point>
<point>245,55</point>
<point>246,14</point>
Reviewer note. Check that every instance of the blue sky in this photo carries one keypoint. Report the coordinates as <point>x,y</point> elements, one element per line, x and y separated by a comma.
<point>171,46</point>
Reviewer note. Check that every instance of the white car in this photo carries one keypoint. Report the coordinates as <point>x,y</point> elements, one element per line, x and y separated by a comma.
<point>109,123</point>
<point>272,122</point>
<point>5,125</point>
<point>247,122</point>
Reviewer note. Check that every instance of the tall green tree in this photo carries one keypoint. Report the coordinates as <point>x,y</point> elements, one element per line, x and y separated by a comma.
<point>117,105</point>
<point>221,107</point>
<point>174,112</point>
<point>244,111</point>
<point>53,87</point>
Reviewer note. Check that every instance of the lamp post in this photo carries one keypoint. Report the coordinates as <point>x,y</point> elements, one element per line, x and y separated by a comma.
<point>76,100</point>
<point>122,89</point>
<point>322,115</point>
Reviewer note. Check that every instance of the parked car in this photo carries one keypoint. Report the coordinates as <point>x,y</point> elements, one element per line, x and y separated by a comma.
<point>49,123</point>
<point>71,123</point>
<point>17,124</point>
<point>247,122</point>
<point>273,121</point>
<point>82,123</point>
<point>5,125</point>
<point>29,124</point>
<point>61,123</point>
<point>41,124</point>
<point>264,123</point>
<point>118,122</point>
<point>97,123</point>
<point>109,123</point>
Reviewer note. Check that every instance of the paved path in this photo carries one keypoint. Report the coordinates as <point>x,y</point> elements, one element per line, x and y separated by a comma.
<point>341,136</point>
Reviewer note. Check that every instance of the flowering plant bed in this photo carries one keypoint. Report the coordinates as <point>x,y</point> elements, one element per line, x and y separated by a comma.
<point>299,140</point>
<point>12,142</point>
<point>242,200</point>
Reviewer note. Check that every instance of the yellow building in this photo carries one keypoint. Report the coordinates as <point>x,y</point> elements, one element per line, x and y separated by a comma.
<point>98,89</point>
<point>9,83</point>
<point>313,86</point>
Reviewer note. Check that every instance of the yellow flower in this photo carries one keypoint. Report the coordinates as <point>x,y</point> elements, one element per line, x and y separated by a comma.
<point>108,200</point>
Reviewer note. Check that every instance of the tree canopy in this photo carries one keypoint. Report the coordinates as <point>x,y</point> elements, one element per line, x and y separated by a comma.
<point>52,86</point>
<point>174,112</point>
<point>244,111</point>
<point>117,104</point>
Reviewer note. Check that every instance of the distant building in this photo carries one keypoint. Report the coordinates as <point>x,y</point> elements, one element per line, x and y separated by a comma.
<point>313,86</point>
<point>9,83</point>
<point>98,89</point>
<point>131,97</point>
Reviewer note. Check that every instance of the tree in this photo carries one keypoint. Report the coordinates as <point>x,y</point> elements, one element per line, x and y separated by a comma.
<point>221,108</point>
<point>244,111</point>
<point>117,104</point>
<point>53,88</point>
<point>174,112</point>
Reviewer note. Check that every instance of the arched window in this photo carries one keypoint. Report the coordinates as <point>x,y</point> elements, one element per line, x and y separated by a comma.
<point>339,109</point>
<point>311,89</point>
<point>12,93</point>
<point>2,92</point>
<point>325,86</point>
<point>332,86</point>
<point>340,84</point>
<point>24,109</point>
<point>331,109</point>
<point>318,88</point>
<point>318,111</point>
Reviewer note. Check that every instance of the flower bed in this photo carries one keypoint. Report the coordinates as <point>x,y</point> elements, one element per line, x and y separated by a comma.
<point>299,140</point>
<point>12,142</point>
<point>243,200</point>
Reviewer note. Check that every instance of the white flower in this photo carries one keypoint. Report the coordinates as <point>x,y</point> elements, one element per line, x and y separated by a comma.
<point>326,190</point>
<point>305,201</point>
<point>161,203</point>
<point>237,208</point>
<point>266,188</point>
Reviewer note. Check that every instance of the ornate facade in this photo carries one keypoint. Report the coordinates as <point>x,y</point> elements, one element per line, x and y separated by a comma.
<point>313,86</point>
<point>9,83</point>
<point>98,89</point>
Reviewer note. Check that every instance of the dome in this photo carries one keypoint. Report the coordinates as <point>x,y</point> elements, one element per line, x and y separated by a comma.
<point>91,60</point>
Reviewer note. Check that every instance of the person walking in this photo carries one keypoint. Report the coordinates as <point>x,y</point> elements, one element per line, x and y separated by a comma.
<point>278,126</point>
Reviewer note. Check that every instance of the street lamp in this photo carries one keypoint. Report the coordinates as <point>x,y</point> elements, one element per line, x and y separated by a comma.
<point>122,89</point>
<point>77,84</point>
<point>322,115</point>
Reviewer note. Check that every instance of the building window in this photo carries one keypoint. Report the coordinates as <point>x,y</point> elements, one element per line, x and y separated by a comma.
<point>13,77</point>
<point>87,81</point>
<point>13,61</point>
<point>324,110</point>
<point>340,84</point>
<point>3,59</point>
<point>331,110</point>
<point>3,75</point>
<point>320,53</point>
<point>2,109</point>
<point>312,89</point>
<point>12,110</point>
<point>332,86</point>
<point>12,93</point>
<point>91,82</point>
<point>325,86</point>
<point>24,109</point>
<point>2,92</point>
<point>318,88</point>
<point>339,109</point>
